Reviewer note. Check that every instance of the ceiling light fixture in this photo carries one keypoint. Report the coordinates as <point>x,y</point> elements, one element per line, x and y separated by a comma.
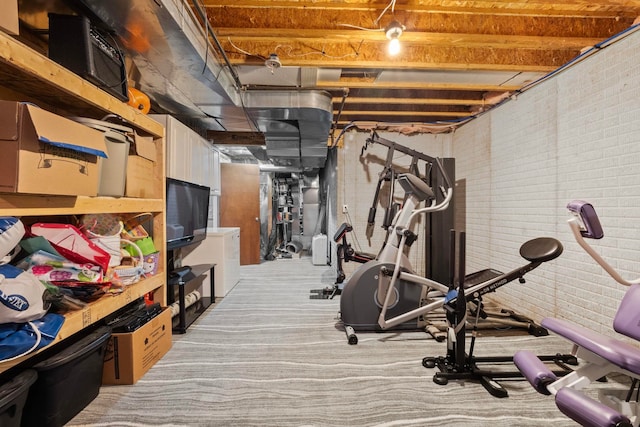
<point>273,62</point>
<point>394,31</point>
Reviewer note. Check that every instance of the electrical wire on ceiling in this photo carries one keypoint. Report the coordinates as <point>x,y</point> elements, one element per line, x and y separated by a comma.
<point>393,30</point>
<point>391,5</point>
<point>244,52</point>
<point>288,51</point>
<point>452,125</point>
<point>360,28</point>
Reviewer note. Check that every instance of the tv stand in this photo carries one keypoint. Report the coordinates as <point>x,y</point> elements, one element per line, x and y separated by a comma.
<point>181,277</point>
<point>179,272</point>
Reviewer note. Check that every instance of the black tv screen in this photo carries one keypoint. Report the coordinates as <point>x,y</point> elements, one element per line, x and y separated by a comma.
<point>187,213</point>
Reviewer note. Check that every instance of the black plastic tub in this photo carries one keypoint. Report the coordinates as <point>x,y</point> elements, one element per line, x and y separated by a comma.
<point>13,395</point>
<point>67,381</point>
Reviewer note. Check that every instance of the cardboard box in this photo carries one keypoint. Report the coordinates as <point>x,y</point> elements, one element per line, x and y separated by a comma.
<point>43,153</point>
<point>141,169</point>
<point>130,355</point>
<point>9,17</point>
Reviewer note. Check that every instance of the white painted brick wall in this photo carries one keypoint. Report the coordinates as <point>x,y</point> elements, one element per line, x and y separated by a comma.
<point>472,196</point>
<point>575,136</point>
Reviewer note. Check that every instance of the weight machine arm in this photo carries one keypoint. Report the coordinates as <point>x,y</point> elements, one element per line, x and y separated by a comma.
<point>388,173</point>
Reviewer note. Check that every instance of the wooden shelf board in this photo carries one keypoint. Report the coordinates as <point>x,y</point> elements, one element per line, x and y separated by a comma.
<point>94,312</point>
<point>29,204</point>
<point>26,71</point>
<point>77,320</point>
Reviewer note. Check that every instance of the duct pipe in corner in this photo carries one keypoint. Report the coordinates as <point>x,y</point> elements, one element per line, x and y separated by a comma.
<point>296,125</point>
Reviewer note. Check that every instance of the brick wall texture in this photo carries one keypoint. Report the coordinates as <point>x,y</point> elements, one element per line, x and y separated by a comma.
<point>574,136</point>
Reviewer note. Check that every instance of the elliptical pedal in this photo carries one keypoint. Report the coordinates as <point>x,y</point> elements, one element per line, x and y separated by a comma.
<point>325,293</point>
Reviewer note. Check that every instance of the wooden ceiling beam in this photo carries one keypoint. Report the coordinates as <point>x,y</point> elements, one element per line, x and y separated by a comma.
<point>328,85</point>
<point>478,23</point>
<point>408,123</point>
<point>354,55</point>
<point>413,101</point>
<point>566,8</point>
<point>235,138</point>
<point>402,113</point>
<point>320,37</point>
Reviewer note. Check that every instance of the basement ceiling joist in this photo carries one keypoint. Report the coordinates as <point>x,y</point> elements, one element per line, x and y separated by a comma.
<point>457,58</point>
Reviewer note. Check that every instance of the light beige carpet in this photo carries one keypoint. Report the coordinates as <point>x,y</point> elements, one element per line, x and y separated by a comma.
<point>268,355</point>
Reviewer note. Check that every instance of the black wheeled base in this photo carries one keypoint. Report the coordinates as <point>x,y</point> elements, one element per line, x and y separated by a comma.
<point>470,370</point>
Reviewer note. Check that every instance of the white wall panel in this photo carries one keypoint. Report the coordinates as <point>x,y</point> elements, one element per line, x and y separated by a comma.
<point>192,158</point>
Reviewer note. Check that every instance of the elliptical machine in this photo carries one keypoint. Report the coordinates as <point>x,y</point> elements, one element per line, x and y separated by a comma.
<point>364,295</point>
<point>385,293</point>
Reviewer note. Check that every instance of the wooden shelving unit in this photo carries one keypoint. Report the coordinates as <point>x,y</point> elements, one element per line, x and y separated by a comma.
<point>26,75</point>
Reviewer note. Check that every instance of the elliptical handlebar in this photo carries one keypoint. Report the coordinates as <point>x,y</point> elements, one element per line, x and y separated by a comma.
<point>435,207</point>
<point>585,223</point>
<point>445,190</point>
<point>444,175</point>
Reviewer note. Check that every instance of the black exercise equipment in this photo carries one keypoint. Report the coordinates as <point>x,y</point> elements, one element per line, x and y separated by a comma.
<point>457,364</point>
<point>345,253</point>
<point>389,174</point>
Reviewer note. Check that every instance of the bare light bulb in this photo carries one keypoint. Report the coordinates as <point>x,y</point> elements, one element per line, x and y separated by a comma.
<point>394,46</point>
<point>393,32</point>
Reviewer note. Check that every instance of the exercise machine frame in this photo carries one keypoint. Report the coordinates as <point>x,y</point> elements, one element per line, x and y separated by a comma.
<point>457,364</point>
<point>345,253</point>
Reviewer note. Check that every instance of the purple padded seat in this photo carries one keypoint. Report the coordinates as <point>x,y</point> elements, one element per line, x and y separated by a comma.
<point>615,351</point>
<point>627,320</point>
<point>588,412</point>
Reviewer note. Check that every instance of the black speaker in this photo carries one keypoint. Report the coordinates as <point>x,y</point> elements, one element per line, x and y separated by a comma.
<point>77,45</point>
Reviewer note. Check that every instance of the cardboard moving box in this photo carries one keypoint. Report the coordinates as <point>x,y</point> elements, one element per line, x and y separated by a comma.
<point>140,169</point>
<point>130,355</point>
<point>43,153</point>
<point>9,21</point>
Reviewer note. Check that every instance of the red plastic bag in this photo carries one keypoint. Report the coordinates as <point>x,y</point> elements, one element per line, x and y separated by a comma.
<point>72,244</point>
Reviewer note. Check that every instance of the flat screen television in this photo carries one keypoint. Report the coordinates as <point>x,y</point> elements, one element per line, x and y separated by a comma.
<point>187,213</point>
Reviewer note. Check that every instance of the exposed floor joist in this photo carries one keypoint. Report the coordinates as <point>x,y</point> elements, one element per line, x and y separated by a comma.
<point>467,54</point>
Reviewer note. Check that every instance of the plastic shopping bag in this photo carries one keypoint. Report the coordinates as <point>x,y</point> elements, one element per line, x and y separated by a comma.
<point>22,296</point>
<point>72,244</point>
<point>19,339</point>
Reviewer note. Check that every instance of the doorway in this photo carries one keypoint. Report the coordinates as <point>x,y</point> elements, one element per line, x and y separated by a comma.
<point>240,206</point>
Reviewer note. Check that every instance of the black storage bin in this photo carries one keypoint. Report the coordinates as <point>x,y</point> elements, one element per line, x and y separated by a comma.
<point>67,381</point>
<point>13,395</point>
